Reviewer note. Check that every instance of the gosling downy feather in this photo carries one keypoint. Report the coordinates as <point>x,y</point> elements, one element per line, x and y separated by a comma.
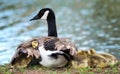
<point>111,60</point>
<point>53,44</point>
<point>25,55</point>
<point>86,58</point>
<point>89,58</point>
<point>81,59</point>
<point>20,60</point>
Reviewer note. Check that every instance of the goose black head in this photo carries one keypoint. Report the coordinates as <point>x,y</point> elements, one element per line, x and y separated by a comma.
<point>48,15</point>
<point>45,14</point>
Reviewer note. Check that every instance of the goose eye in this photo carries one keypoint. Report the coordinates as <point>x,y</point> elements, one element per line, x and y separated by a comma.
<point>40,14</point>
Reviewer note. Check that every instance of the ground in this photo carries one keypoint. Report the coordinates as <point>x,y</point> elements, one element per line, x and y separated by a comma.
<point>5,69</point>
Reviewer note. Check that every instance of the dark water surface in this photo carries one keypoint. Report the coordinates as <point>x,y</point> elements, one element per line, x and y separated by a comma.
<point>89,24</point>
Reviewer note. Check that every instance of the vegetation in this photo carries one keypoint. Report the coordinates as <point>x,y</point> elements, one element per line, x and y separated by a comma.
<point>5,69</point>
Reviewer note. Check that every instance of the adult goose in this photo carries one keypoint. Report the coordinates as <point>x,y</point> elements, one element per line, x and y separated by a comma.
<point>51,51</point>
<point>54,51</point>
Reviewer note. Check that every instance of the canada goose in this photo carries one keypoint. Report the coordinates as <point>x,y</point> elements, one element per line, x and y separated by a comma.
<point>62,48</point>
<point>53,51</point>
<point>111,60</point>
<point>80,61</point>
<point>92,51</point>
<point>82,58</point>
<point>47,14</point>
<point>89,58</point>
<point>21,61</point>
<point>105,58</point>
<point>97,61</point>
<point>27,54</point>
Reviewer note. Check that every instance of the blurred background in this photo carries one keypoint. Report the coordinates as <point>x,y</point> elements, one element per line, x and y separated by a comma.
<point>88,23</point>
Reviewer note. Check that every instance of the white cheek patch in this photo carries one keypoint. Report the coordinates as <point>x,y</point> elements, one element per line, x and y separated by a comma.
<point>45,15</point>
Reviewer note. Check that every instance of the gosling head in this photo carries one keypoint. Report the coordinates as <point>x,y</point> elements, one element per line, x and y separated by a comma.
<point>92,51</point>
<point>44,14</point>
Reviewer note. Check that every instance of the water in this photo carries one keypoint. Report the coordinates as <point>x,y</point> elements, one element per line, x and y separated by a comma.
<point>89,24</point>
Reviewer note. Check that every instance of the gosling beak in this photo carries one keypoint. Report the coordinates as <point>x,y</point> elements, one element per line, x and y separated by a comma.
<point>35,18</point>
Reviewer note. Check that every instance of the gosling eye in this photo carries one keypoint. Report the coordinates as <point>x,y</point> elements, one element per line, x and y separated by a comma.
<point>94,66</point>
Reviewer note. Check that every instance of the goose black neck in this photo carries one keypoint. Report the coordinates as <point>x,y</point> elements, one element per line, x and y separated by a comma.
<point>52,26</point>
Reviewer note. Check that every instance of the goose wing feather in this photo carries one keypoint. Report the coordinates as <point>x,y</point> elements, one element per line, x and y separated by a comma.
<point>24,52</point>
<point>50,43</point>
<point>53,43</point>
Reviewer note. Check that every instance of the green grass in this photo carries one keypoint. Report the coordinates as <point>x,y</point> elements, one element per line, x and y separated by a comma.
<point>5,69</point>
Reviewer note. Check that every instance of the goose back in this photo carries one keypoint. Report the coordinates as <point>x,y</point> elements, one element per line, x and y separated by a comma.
<point>50,43</point>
